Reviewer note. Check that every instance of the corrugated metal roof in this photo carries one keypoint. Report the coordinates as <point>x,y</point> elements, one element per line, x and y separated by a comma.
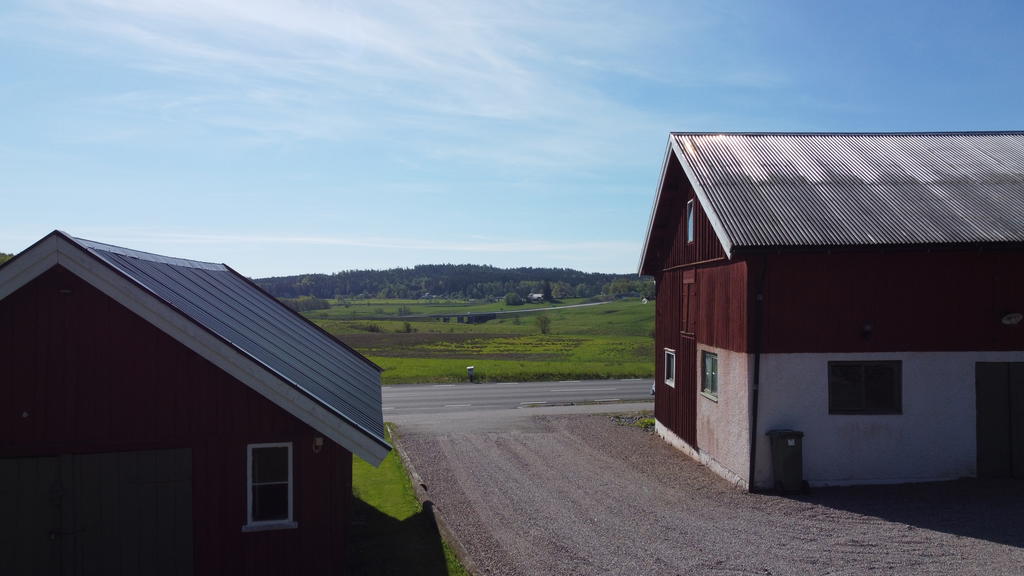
<point>240,313</point>
<point>815,189</point>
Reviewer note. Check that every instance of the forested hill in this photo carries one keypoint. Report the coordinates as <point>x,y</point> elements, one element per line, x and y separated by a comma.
<point>456,281</point>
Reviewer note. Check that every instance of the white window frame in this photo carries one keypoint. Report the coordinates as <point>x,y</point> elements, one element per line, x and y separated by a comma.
<point>279,524</point>
<point>669,379</point>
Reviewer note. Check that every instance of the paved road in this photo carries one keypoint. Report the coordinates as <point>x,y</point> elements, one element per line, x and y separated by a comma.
<point>406,399</point>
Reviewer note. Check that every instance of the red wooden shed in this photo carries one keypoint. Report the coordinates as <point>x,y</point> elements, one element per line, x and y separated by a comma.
<point>864,289</point>
<point>167,416</point>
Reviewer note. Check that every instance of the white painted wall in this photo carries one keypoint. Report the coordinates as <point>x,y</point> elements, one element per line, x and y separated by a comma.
<point>934,438</point>
<point>723,426</point>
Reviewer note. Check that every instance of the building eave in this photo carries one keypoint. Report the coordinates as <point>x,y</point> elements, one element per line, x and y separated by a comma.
<point>702,197</point>
<point>673,150</point>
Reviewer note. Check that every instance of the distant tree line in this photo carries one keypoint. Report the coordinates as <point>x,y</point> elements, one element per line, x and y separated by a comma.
<point>4,257</point>
<point>458,281</point>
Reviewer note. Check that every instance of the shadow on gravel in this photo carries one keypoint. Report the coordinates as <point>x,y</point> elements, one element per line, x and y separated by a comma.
<point>984,509</point>
<point>382,545</point>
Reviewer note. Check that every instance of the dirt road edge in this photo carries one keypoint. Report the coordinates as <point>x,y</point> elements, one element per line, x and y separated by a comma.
<point>422,494</point>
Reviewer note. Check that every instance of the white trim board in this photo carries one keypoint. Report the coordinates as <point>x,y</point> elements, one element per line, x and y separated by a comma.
<point>702,196</point>
<point>673,150</point>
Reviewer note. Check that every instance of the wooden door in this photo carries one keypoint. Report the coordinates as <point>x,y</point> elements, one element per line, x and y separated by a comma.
<point>30,515</point>
<point>999,394</point>
<point>117,513</point>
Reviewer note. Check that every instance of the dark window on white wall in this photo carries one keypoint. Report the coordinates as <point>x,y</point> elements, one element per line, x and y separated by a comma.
<point>269,486</point>
<point>865,387</point>
<point>689,220</point>
<point>670,367</point>
<point>709,381</point>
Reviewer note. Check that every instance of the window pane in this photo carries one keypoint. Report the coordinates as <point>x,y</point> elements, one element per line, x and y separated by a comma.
<point>845,396</point>
<point>270,464</point>
<point>270,502</point>
<point>883,374</point>
<point>689,221</point>
<point>881,397</point>
<point>710,373</point>
<point>847,374</point>
<point>670,366</point>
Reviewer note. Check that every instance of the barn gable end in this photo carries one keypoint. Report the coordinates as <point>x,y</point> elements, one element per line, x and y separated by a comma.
<point>235,347</point>
<point>151,425</point>
<point>902,252</point>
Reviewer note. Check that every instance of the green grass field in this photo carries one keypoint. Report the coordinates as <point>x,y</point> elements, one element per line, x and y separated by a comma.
<point>611,340</point>
<point>391,532</point>
<point>353,309</point>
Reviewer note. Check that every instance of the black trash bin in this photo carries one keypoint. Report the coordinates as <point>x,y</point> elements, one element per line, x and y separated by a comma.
<point>787,460</point>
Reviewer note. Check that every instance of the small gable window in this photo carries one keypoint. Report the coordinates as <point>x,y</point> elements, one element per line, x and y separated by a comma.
<point>689,220</point>
<point>269,487</point>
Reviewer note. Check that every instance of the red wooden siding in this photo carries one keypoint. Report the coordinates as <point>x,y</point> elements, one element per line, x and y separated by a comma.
<point>667,246</point>
<point>701,297</point>
<point>676,408</point>
<point>93,377</point>
<point>707,305</point>
<point>688,307</point>
<point>705,245</point>
<point>912,300</point>
<point>722,306</point>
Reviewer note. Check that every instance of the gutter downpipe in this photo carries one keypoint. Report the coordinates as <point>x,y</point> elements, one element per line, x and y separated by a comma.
<point>758,311</point>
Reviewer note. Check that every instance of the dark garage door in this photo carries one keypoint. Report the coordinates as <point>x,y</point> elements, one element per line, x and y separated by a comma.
<point>118,513</point>
<point>999,387</point>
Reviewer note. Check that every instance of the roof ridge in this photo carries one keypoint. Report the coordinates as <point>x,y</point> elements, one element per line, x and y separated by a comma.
<point>148,256</point>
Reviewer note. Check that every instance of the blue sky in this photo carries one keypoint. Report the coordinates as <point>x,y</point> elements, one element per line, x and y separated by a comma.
<point>289,137</point>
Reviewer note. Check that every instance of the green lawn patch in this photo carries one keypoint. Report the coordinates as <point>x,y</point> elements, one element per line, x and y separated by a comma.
<point>391,534</point>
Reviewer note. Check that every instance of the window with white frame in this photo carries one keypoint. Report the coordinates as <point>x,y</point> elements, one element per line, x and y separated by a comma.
<point>689,220</point>
<point>709,381</point>
<point>670,367</point>
<point>269,486</point>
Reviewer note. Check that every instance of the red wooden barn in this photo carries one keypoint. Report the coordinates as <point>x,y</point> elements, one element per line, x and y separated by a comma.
<point>166,416</point>
<point>864,289</point>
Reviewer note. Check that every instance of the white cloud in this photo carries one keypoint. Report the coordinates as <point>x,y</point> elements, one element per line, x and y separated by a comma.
<point>524,61</point>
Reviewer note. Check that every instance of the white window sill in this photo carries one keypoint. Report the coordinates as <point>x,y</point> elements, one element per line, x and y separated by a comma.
<point>275,525</point>
<point>709,396</point>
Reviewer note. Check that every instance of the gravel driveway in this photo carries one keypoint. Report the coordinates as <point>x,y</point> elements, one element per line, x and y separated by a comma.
<point>579,494</point>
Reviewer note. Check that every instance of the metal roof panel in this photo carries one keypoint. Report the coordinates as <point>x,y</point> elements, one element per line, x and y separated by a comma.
<point>850,189</point>
<point>241,314</point>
